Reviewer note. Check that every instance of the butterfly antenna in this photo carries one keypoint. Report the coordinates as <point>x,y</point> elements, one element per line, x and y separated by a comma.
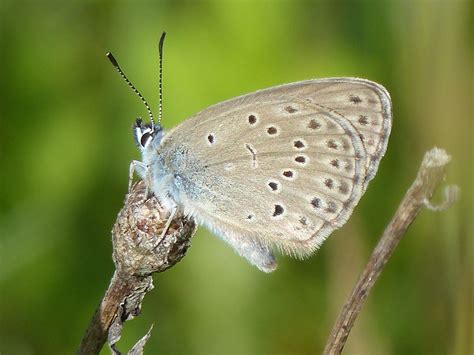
<point>160,81</point>
<point>117,67</point>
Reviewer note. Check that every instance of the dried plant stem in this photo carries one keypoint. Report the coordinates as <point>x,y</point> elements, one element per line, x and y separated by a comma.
<point>96,335</point>
<point>139,250</point>
<point>430,174</point>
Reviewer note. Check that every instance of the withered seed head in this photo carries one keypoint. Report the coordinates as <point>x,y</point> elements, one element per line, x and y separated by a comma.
<point>138,248</point>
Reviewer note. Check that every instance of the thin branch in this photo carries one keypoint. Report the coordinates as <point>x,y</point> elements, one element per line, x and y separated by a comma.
<point>97,332</point>
<point>430,174</point>
<point>138,251</point>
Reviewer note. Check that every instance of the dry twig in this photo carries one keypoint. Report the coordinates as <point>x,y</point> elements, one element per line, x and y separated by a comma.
<point>138,251</point>
<point>429,176</point>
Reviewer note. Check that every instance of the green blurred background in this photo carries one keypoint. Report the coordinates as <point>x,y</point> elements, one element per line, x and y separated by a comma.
<point>66,144</point>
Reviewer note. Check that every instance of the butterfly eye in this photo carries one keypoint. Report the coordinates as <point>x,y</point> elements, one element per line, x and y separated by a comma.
<point>145,138</point>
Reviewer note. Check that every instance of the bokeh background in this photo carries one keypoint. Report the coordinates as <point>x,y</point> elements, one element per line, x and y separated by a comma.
<point>66,144</point>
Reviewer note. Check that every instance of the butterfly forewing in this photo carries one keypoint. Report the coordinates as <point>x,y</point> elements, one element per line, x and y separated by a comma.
<point>284,166</point>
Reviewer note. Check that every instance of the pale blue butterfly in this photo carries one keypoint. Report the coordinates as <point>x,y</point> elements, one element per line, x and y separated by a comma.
<point>281,167</point>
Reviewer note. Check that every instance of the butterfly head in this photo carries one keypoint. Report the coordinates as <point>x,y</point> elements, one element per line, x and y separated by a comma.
<point>147,136</point>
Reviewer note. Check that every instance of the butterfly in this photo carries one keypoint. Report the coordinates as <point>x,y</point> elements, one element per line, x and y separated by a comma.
<point>279,168</point>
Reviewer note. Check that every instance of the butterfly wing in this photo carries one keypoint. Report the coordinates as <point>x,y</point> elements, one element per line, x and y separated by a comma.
<point>283,166</point>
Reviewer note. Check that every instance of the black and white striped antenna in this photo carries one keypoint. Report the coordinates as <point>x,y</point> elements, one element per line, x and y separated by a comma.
<point>117,67</point>
<point>160,81</point>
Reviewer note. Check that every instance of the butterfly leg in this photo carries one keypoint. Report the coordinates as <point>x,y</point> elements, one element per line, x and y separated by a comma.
<point>144,172</point>
<point>255,253</point>
<point>137,166</point>
<point>167,226</point>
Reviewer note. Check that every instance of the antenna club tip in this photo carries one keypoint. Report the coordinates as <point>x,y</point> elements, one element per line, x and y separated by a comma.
<point>112,59</point>
<point>162,39</point>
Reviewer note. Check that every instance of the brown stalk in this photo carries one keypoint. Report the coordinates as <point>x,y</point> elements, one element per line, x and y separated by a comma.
<point>430,175</point>
<point>138,251</point>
